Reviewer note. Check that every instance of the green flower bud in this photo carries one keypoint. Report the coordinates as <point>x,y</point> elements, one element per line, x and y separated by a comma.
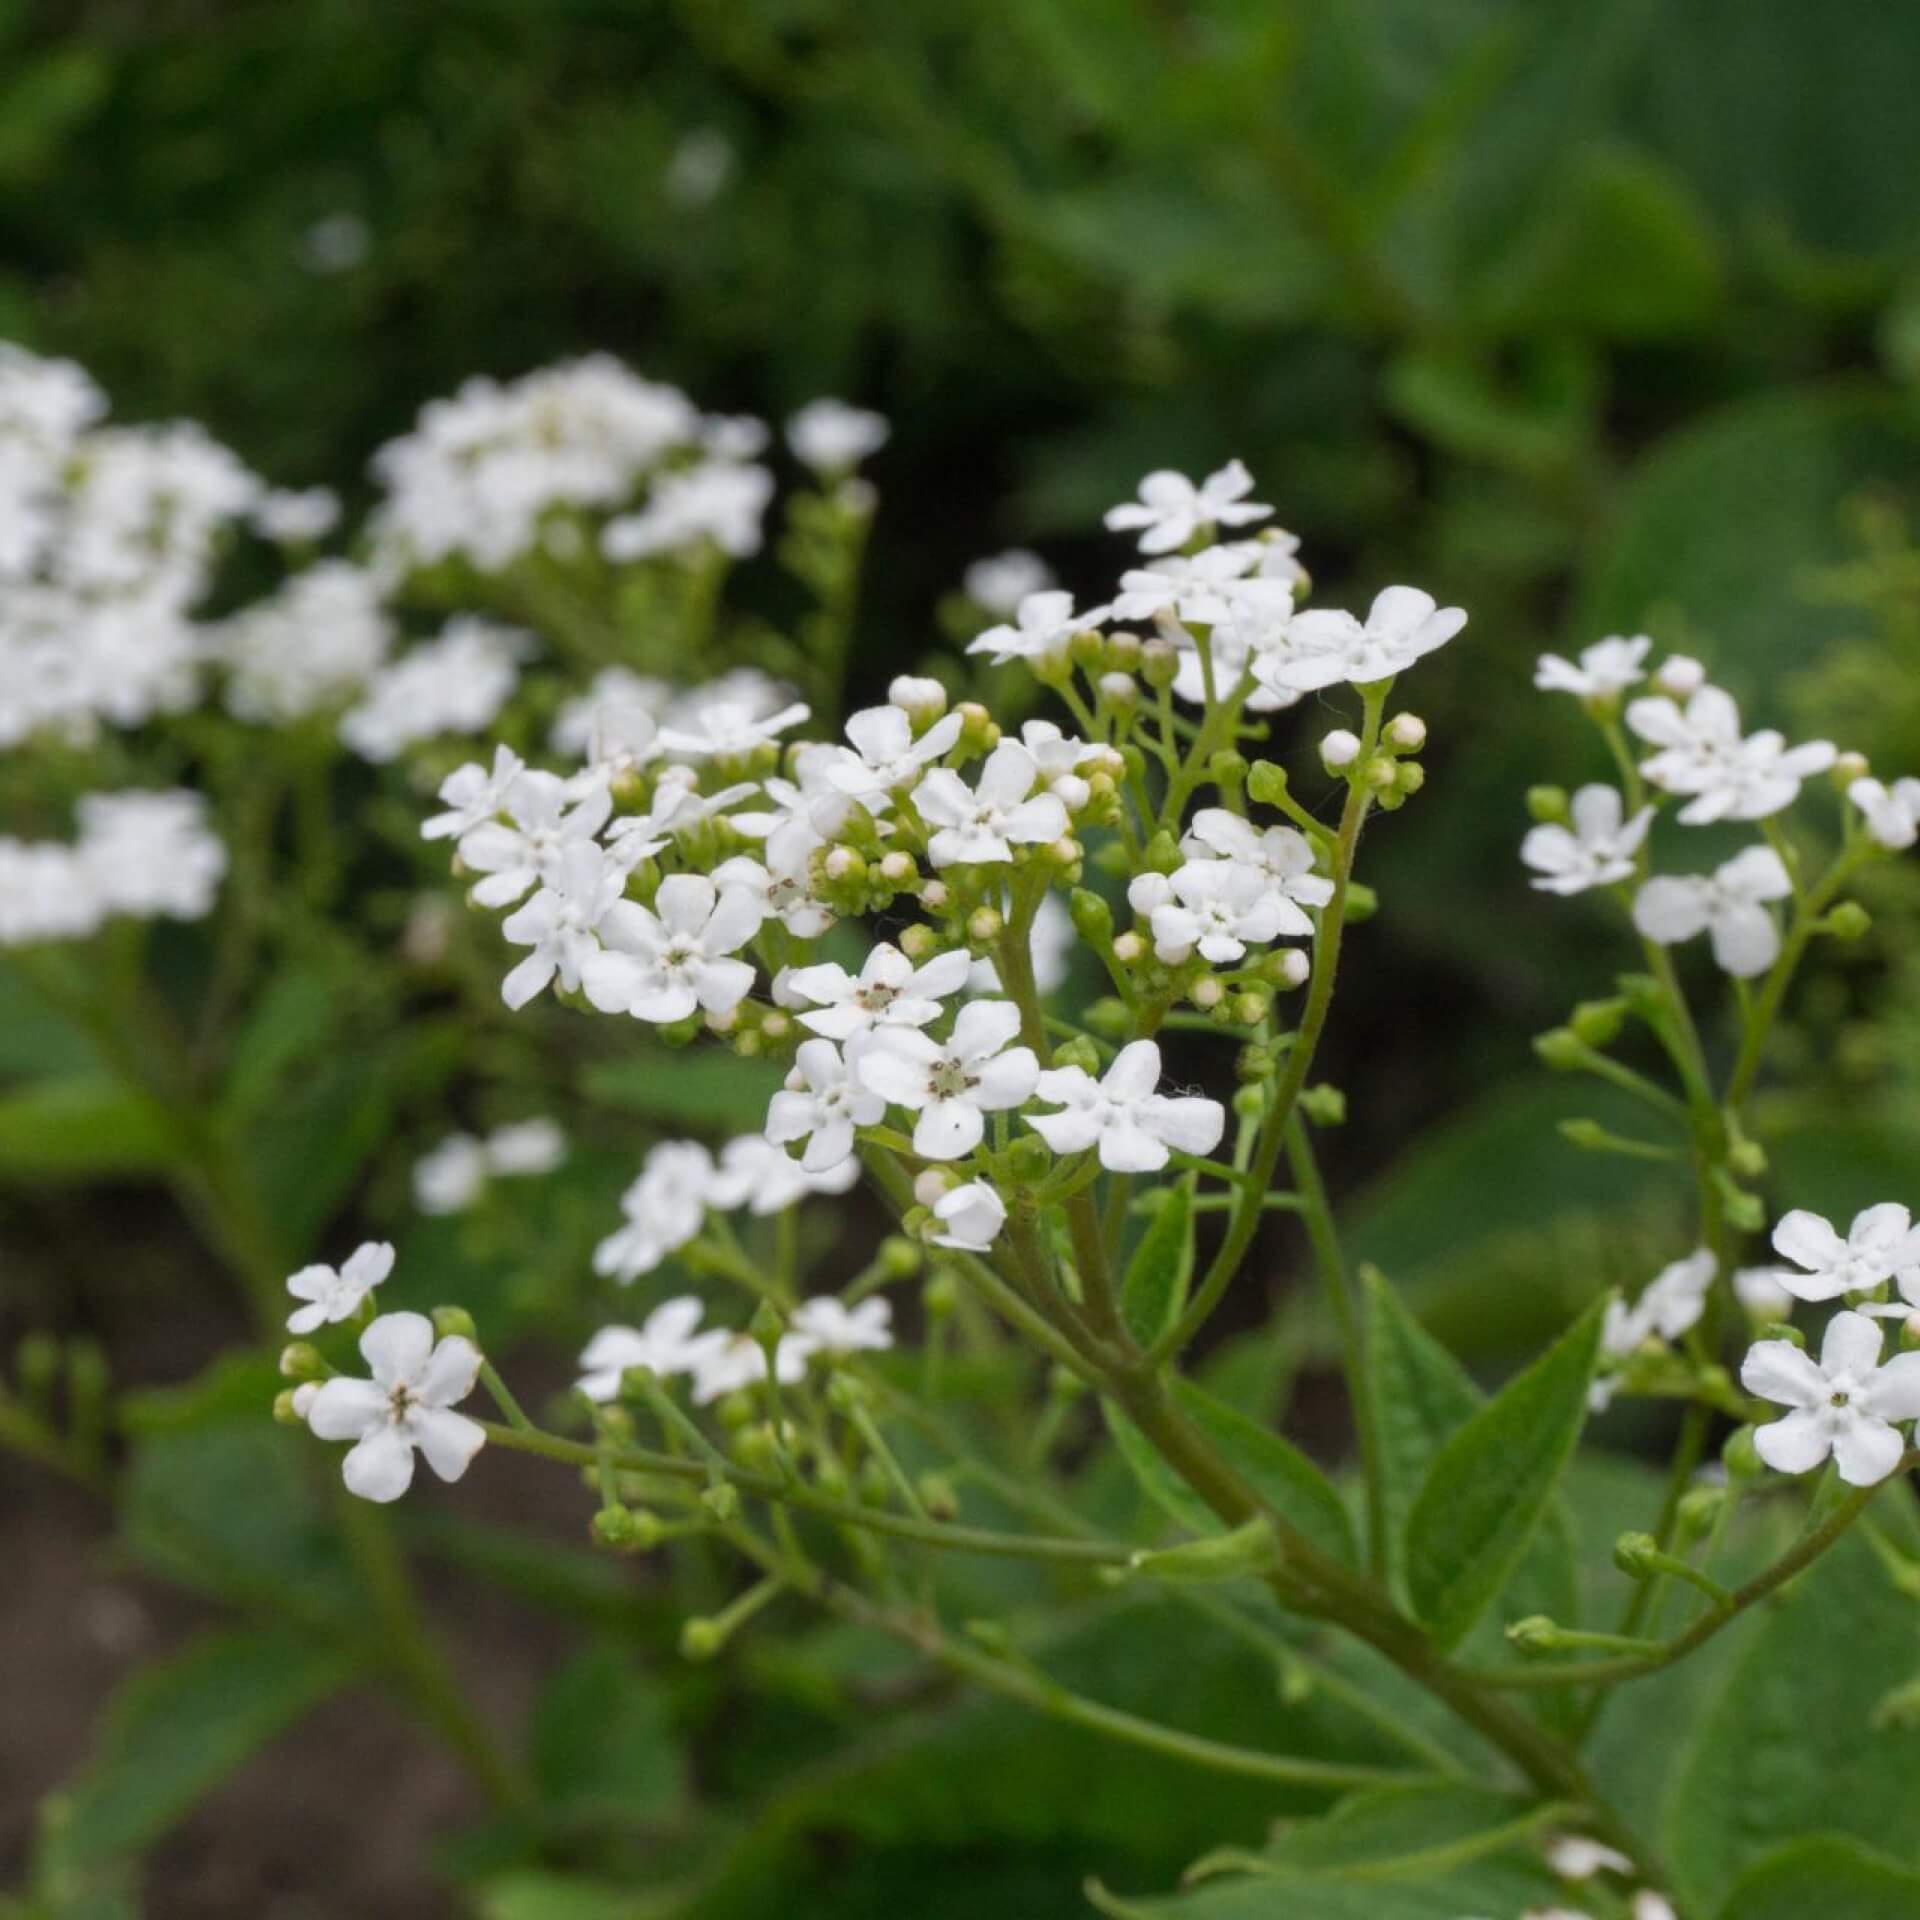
<point>874,1487</point>
<point>612,1528</point>
<point>1561,1048</point>
<point>985,924</point>
<point>1109,1018</point>
<point>1548,805</point>
<point>1324,1105</point>
<point>1250,1101</point>
<point>1159,664</point>
<point>1747,1158</point>
<point>1848,921</point>
<point>1634,1553</point>
<point>845,1393</point>
<point>1535,1634</point>
<point>1162,854</point>
<point>899,1258</point>
<point>1363,902</point>
<point>454,1323</point>
<point>1078,1052</point>
<point>940,1296</point>
<point>1699,1509</point>
<point>937,1495</point>
<point>1249,1009</point>
<point>722,1500</point>
<point>702,1639</point>
<point>1123,651</point>
<point>767,1324</point>
<point>1741,1457</point>
<point>283,1409</point>
<point>300,1360</point>
<point>1598,1022</point>
<point>1266,783</point>
<point>1092,917</point>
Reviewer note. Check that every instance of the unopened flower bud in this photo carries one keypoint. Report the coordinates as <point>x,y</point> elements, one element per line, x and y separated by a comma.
<point>932,1185</point>
<point>1109,1016</point>
<point>1266,783</point>
<point>1535,1634</point>
<point>702,1639</point>
<point>618,1529</point>
<point>1408,778</point>
<point>1206,993</point>
<point>1159,663</point>
<point>1092,917</point>
<point>1087,648</point>
<point>1249,1009</point>
<point>897,869</point>
<point>898,1257</point>
<point>1747,1158</point>
<point>284,1409</point>
<point>1064,852</point>
<point>754,1447</point>
<point>775,1026</point>
<point>1124,651</point>
<point>1598,1022</point>
<point>1381,774</point>
<point>1547,805</point>
<point>1406,733</point>
<point>1634,1553</point>
<point>1848,921</point>
<point>1162,854</point>
<point>1847,768</point>
<point>918,941</point>
<point>1118,689</point>
<point>1339,750</point>
<point>1741,1457</point>
<point>1562,1049</point>
<point>1910,1332</point>
<point>843,863</point>
<point>984,924</point>
<point>1250,1101</point>
<point>1146,891</point>
<point>922,700</point>
<point>937,1495</point>
<point>300,1360</point>
<point>1128,948</point>
<point>940,1297</point>
<point>1078,1052</point>
<point>1699,1509</point>
<point>1072,792</point>
<point>1679,676</point>
<point>1324,1105</point>
<point>1287,967</point>
<point>722,1499</point>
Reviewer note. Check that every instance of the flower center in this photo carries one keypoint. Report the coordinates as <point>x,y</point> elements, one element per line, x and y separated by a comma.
<point>949,1080</point>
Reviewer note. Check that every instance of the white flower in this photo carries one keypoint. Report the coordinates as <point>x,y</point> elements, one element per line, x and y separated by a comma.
<point>1845,1405</point>
<point>1573,1856</point>
<point>576,725</point>
<point>1607,668</point>
<point>889,991</point>
<point>972,1216</point>
<point>1892,813</point>
<point>727,730</point>
<point>561,922</point>
<point>1598,850</point>
<point>526,1147</point>
<point>530,846</point>
<point>886,755</point>
<point>665,1207</point>
<point>1200,589</point>
<point>1171,509</point>
<point>1122,1113</point>
<point>1729,904</point>
<point>1326,646</point>
<point>1001,581</point>
<point>1680,676</point>
<point>454,684</point>
<point>1760,1291</point>
<point>825,1325</point>
<point>451,1177</point>
<point>407,1404</point>
<point>822,1103</point>
<point>1881,1244</point>
<point>718,502</point>
<point>150,854</point>
<point>473,795</point>
<point>830,437</point>
<point>984,823</point>
<point>667,1343</point>
<point>767,1179</point>
<point>1043,625</point>
<point>737,1360</point>
<point>1220,907</point>
<point>1669,1305</point>
<point>1281,856</point>
<point>1702,754</point>
<point>951,1084</point>
<point>295,517</point>
<point>782,886</point>
<point>45,894</point>
<point>335,1294</point>
<point>662,964</point>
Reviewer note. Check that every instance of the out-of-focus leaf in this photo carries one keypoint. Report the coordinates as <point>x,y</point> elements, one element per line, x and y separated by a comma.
<point>1487,1886</point>
<point>289,1024</point>
<point>1790,1746</point>
<point>44,96</point>
<point>82,1128</point>
<point>34,1039</point>
<point>603,1746</point>
<point>554,1896</point>
<point>1493,1482</point>
<point>1824,1875</point>
<point>1161,1270</point>
<point>181,1725</point>
<point>710,1091</point>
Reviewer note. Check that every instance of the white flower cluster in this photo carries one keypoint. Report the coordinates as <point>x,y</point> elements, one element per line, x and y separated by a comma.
<point>108,539</point>
<point>1702,757</point>
<point>140,856</point>
<point>454,1174</point>
<point>718,1362</point>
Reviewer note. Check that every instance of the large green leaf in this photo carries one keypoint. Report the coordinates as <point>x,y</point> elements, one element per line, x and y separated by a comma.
<point>81,1128</point>
<point>1789,1746</point>
<point>1822,1876</point>
<point>181,1725</point>
<point>1161,1270</point>
<point>603,1746</point>
<point>1486,1887</point>
<point>711,1091</point>
<point>1492,1484</point>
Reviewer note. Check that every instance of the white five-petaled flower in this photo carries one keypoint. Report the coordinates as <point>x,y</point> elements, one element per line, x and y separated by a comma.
<point>667,1342</point>
<point>407,1404</point>
<point>1729,904</point>
<point>737,1360</point>
<point>1002,580</point>
<point>543,821</point>
<point>1892,813</point>
<point>1281,856</point>
<point>826,1324</point>
<point>889,991</point>
<point>1326,645</point>
<point>1882,1244</point>
<point>765,1179</point>
<point>1124,1115</point>
<point>1203,588</point>
<point>1218,906</point>
<point>1597,850</point>
<point>783,884</point>
<point>560,923</point>
<point>1670,1303</point>
<point>662,965</point>
<point>822,1102</point>
<point>831,437</point>
<point>473,794</point>
<point>1171,509</point>
<point>1845,1404</point>
<point>972,1216</point>
<point>885,755</point>
<point>334,1294</point>
<point>664,1208</point>
<point>1703,755</point>
<point>952,1084</point>
<point>1605,670</point>
<point>1041,628</point>
<point>985,822</point>
<point>728,730</point>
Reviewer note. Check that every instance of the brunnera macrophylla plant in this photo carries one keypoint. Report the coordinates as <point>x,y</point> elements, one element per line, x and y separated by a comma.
<point>881,917</point>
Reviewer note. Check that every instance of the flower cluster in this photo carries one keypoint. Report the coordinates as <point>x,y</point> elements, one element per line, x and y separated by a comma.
<point>457,1171</point>
<point>140,856</point>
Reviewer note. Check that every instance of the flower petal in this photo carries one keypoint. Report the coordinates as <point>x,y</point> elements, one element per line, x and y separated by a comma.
<point>1778,1371</point>
<point>448,1440</point>
<point>396,1347</point>
<point>380,1468</point>
<point>1796,1444</point>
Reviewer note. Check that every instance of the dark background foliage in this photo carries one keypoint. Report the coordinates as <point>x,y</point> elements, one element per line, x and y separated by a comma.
<point>1591,317</point>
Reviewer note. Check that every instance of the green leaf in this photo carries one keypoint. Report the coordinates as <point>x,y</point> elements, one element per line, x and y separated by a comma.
<point>84,1127</point>
<point>1487,1886</point>
<point>1789,1746</point>
<point>1824,1875</point>
<point>291,1023</point>
<point>181,1725</point>
<point>603,1746</point>
<point>553,1896</point>
<point>1276,1470</point>
<point>34,1039</point>
<point>1161,1270</point>
<point>1492,1484</point>
<point>713,1092</point>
